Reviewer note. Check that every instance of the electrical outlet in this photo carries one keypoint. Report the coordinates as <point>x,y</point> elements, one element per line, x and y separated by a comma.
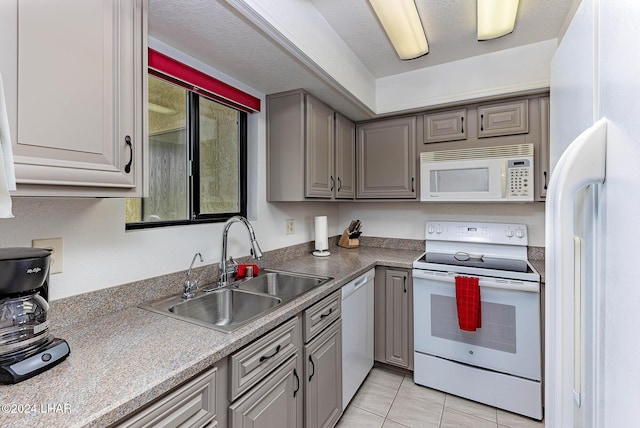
<point>290,226</point>
<point>55,245</point>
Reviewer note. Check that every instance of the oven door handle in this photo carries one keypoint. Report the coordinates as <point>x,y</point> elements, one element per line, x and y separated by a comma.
<point>484,282</point>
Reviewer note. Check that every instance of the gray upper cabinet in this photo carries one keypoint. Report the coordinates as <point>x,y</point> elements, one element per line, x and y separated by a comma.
<point>542,155</point>
<point>345,162</point>
<point>386,159</point>
<point>319,159</point>
<point>503,119</point>
<point>446,126</point>
<point>309,149</point>
<point>81,98</point>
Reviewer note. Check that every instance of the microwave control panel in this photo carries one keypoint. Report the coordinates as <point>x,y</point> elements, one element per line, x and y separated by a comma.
<point>520,179</point>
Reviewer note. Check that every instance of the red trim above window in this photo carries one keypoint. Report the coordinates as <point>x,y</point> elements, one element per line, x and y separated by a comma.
<point>202,83</point>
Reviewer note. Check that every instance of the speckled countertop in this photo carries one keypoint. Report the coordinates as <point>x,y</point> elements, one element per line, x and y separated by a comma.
<point>128,357</point>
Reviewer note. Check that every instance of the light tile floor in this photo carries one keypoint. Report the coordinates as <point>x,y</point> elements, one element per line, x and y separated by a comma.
<point>389,399</point>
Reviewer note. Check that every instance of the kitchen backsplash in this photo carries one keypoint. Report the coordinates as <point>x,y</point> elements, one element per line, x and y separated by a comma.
<point>87,306</point>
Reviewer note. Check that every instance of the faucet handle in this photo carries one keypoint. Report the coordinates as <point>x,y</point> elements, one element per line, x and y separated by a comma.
<point>189,288</point>
<point>232,267</point>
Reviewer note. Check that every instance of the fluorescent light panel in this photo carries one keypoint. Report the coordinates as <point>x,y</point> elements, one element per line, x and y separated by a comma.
<point>401,22</point>
<point>496,18</point>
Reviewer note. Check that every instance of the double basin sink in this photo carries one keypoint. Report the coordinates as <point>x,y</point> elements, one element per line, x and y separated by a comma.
<point>229,308</point>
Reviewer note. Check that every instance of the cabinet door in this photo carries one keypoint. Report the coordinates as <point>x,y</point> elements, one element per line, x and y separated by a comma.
<point>323,378</point>
<point>447,126</point>
<point>320,181</point>
<point>394,318</point>
<point>81,86</point>
<point>503,119</point>
<point>386,153</point>
<point>276,402</point>
<point>542,160</point>
<point>345,158</point>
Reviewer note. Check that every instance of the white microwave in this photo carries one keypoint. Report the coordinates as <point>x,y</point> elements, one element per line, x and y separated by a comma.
<point>482,174</point>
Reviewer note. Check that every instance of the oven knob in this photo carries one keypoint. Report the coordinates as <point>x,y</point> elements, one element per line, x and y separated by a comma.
<point>509,233</point>
<point>520,233</point>
<point>430,229</point>
<point>438,230</point>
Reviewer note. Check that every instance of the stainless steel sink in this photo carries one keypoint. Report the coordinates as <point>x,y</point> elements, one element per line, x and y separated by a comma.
<point>229,308</point>
<point>225,308</point>
<point>285,285</point>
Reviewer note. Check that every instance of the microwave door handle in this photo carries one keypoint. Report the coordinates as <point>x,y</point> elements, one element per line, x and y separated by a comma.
<point>504,179</point>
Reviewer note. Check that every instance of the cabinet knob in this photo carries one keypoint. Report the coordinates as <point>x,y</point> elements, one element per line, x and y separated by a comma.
<point>127,141</point>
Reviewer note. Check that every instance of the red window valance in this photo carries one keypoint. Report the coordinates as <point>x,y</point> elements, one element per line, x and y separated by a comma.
<point>199,82</point>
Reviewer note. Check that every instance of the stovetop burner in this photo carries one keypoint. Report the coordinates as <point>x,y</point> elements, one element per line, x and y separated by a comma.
<point>484,249</point>
<point>477,261</point>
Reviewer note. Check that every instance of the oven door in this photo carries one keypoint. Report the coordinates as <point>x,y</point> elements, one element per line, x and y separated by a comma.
<point>509,340</point>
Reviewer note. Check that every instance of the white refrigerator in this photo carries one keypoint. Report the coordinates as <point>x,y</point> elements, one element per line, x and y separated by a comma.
<point>592,302</point>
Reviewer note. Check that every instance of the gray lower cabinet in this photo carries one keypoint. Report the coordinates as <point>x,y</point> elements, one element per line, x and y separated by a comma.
<point>201,402</point>
<point>323,378</point>
<point>322,334</point>
<point>273,403</point>
<point>266,384</point>
<point>393,310</point>
<point>386,159</point>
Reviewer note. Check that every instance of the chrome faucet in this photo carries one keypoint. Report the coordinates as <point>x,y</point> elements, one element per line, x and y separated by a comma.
<point>190,286</point>
<point>230,267</point>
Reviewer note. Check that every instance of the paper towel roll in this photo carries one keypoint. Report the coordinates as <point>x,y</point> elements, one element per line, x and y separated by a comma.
<point>322,236</point>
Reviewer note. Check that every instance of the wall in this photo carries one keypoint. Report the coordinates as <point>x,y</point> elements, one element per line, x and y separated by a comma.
<point>407,219</point>
<point>99,253</point>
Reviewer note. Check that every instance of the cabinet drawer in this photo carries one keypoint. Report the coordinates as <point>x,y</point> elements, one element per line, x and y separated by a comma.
<point>193,405</point>
<point>321,315</point>
<point>252,363</point>
<point>503,119</point>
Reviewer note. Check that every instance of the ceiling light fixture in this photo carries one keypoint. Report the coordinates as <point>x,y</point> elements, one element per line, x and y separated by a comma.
<point>401,22</point>
<point>496,18</point>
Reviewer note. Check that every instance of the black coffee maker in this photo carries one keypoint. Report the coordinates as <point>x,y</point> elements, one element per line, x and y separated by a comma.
<point>26,346</point>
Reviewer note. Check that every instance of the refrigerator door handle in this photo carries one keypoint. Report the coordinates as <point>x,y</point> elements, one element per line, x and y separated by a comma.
<point>582,164</point>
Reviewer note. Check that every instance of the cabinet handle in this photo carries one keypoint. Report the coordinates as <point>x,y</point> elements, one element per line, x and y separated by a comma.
<point>295,373</point>
<point>339,184</point>
<point>545,179</point>
<point>266,357</point>
<point>313,368</point>
<point>333,183</point>
<point>413,187</point>
<point>404,279</point>
<point>326,314</point>
<point>127,141</point>
<point>482,122</point>
<point>462,125</point>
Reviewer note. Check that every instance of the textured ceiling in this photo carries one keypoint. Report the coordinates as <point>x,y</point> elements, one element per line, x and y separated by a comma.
<point>450,26</point>
<point>214,33</point>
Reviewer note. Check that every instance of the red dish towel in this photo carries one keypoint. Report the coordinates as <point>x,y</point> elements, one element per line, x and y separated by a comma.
<point>242,270</point>
<point>468,303</point>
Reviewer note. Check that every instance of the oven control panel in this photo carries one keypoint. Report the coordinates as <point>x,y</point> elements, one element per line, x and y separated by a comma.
<point>494,233</point>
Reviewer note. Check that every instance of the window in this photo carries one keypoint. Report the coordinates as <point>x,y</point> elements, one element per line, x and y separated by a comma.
<point>197,148</point>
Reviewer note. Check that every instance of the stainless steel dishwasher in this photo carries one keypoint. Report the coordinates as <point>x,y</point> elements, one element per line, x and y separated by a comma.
<point>357,334</point>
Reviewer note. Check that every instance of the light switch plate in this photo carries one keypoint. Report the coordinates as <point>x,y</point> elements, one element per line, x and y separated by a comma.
<point>55,245</point>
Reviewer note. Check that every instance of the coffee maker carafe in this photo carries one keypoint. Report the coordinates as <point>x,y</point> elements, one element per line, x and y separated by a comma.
<point>26,346</point>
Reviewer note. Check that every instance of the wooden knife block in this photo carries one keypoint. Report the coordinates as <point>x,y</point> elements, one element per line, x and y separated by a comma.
<point>345,242</point>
